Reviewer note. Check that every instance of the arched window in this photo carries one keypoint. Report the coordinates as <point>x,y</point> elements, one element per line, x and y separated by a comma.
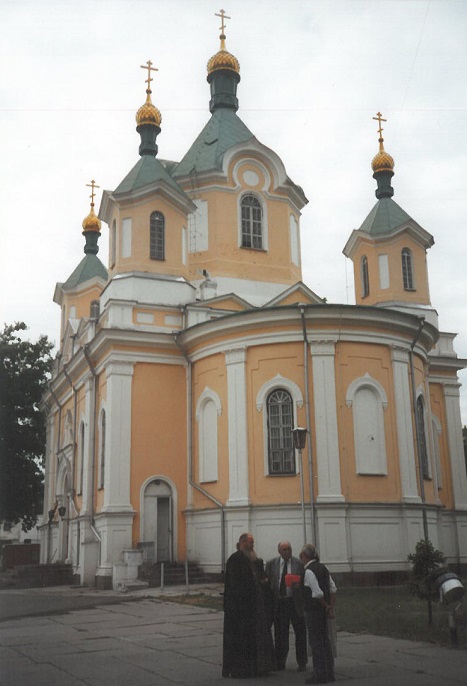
<point>102,451</point>
<point>422,438</point>
<point>407,269</point>
<point>208,410</point>
<point>368,400</point>
<point>252,222</point>
<point>365,277</point>
<point>281,452</point>
<point>157,236</point>
<point>82,437</point>
<point>113,243</point>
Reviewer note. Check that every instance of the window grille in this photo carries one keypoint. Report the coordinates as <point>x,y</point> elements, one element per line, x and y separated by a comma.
<point>281,452</point>
<point>157,236</point>
<point>407,269</point>
<point>365,277</point>
<point>252,223</point>
<point>422,438</point>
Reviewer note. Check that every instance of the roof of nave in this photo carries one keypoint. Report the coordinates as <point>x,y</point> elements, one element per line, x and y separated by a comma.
<point>90,267</point>
<point>224,130</point>
<point>385,217</point>
<point>146,171</point>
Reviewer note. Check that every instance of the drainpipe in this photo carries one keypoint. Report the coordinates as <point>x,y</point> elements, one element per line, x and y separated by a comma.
<point>308,428</point>
<point>93,443</point>
<point>417,428</point>
<point>191,480</point>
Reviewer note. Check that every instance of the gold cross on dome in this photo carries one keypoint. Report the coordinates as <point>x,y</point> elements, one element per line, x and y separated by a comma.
<point>223,16</point>
<point>379,119</point>
<point>92,185</point>
<point>150,68</point>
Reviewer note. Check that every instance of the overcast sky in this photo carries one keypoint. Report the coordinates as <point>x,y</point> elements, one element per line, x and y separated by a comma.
<point>313,76</point>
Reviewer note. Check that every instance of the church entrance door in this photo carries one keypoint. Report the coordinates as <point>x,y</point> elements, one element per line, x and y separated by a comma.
<point>158,517</point>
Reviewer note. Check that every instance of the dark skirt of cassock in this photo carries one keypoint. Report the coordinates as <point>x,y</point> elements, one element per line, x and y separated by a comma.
<point>248,646</point>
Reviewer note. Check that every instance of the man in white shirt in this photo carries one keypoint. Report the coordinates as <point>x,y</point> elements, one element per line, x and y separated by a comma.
<point>320,595</point>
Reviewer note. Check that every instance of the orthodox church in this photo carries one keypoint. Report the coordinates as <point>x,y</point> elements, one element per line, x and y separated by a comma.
<point>187,363</point>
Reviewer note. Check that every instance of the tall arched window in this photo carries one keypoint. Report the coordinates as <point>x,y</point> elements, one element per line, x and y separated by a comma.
<point>422,437</point>
<point>407,269</point>
<point>102,451</point>
<point>82,436</point>
<point>157,236</point>
<point>281,452</point>
<point>113,243</point>
<point>252,222</point>
<point>365,277</point>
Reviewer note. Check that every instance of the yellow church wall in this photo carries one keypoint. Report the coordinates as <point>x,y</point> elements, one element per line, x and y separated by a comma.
<point>353,361</point>
<point>263,363</point>
<point>140,260</point>
<point>101,400</point>
<point>438,409</point>
<point>225,256</point>
<point>158,436</point>
<point>393,249</point>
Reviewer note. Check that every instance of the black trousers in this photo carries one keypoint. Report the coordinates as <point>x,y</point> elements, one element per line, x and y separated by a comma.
<point>284,615</point>
<point>320,644</point>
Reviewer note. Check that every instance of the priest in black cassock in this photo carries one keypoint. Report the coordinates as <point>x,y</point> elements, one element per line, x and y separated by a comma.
<point>248,646</point>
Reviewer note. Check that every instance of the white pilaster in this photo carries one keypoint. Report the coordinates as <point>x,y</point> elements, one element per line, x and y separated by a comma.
<point>117,486</point>
<point>327,439</point>
<point>235,361</point>
<point>456,451</point>
<point>88,450</point>
<point>405,437</point>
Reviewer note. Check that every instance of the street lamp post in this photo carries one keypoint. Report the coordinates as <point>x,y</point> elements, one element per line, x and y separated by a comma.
<point>299,440</point>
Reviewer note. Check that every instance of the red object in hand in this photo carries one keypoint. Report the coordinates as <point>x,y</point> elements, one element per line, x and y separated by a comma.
<point>291,579</point>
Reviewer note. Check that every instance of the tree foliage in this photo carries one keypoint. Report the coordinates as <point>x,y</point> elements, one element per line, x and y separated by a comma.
<point>24,371</point>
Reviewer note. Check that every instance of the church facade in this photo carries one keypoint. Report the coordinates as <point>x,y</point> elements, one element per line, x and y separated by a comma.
<point>186,363</point>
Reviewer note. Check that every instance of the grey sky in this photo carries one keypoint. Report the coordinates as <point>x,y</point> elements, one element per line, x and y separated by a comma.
<point>313,76</point>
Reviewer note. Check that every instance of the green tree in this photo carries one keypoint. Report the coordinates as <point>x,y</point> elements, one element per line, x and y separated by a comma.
<point>425,560</point>
<point>24,371</point>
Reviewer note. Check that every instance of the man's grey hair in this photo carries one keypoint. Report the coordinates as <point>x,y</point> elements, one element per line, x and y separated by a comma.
<point>309,551</point>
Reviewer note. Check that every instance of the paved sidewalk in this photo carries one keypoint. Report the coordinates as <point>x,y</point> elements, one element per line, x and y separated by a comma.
<point>147,641</point>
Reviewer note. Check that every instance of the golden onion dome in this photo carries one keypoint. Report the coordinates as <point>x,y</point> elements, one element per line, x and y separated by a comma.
<point>91,222</point>
<point>148,113</point>
<point>223,60</point>
<point>382,161</point>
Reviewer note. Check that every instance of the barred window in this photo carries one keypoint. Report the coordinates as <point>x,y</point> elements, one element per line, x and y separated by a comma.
<point>407,269</point>
<point>365,277</point>
<point>252,223</point>
<point>157,236</point>
<point>281,454</point>
<point>422,438</point>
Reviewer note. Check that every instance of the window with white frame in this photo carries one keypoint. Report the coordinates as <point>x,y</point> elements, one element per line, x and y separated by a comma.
<point>368,400</point>
<point>157,236</point>
<point>208,409</point>
<point>280,424</point>
<point>252,222</point>
<point>407,269</point>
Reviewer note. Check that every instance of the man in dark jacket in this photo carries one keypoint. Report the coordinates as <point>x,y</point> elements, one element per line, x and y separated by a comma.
<point>248,649</point>
<point>319,592</point>
<point>284,605</point>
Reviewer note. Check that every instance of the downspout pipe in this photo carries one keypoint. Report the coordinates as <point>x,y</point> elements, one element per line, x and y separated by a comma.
<point>93,443</point>
<point>417,427</point>
<point>308,427</point>
<point>191,480</point>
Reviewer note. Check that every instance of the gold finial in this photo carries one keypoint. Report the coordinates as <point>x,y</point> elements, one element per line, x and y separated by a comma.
<point>379,119</point>
<point>92,185</point>
<point>150,68</point>
<point>382,161</point>
<point>91,222</point>
<point>223,16</point>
